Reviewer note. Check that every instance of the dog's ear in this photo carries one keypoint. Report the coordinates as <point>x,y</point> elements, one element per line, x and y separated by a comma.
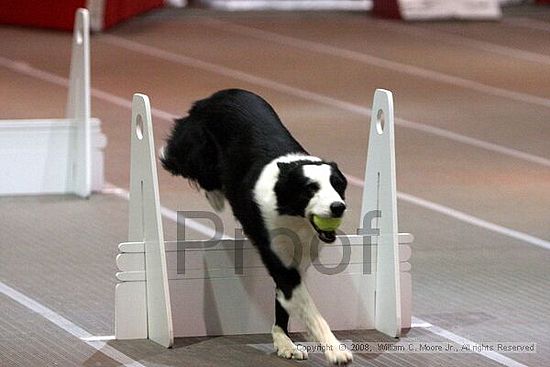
<point>338,180</point>
<point>336,170</point>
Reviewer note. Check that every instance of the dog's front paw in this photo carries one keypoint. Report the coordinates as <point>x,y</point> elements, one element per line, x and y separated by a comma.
<point>284,346</point>
<point>339,357</point>
<point>291,352</point>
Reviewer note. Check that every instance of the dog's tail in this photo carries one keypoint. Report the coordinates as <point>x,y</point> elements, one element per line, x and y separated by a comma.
<point>191,152</point>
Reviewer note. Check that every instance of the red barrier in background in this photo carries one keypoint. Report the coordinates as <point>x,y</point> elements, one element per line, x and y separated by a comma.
<point>386,9</point>
<point>59,14</point>
<point>120,10</point>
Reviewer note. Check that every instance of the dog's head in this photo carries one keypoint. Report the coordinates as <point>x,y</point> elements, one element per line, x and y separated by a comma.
<point>311,188</point>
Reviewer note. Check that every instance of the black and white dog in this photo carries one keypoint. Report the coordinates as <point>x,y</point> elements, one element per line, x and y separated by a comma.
<point>234,146</point>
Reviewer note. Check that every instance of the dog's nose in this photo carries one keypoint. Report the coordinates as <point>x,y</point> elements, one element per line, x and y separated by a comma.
<point>337,208</point>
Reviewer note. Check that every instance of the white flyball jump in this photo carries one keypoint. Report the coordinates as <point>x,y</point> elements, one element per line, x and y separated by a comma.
<point>360,282</point>
<point>57,156</point>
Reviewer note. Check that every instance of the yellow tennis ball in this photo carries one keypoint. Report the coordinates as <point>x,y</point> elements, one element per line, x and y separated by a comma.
<point>327,224</point>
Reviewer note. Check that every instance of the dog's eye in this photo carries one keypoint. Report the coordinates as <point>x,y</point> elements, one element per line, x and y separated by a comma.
<point>312,186</point>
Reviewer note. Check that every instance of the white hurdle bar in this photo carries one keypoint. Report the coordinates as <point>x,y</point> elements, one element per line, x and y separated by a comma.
<point>57,156</point>
<point>212,298</point>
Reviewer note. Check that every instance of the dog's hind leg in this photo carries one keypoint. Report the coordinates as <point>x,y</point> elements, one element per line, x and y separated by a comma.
<point>283,344</point>
<point>216,198</point>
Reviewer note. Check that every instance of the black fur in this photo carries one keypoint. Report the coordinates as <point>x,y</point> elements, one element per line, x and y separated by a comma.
<point>226,141</point>
<point>293,189</point>
<point>281,317</point>
<point>223,145</point>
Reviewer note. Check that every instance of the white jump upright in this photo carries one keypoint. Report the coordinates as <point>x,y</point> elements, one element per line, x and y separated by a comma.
<point>360,282</point>
<point>54,156</point>
<point>148,314</point>
<point>380,205</point>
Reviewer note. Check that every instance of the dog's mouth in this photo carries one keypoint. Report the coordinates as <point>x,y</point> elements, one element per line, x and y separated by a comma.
<point>325,236</point>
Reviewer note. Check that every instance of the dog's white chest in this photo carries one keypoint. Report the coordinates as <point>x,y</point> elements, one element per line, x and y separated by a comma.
<point>294,241</point>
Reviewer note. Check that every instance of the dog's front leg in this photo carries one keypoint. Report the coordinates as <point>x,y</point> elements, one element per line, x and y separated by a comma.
<point>281,341</point>
<point>300,305</point>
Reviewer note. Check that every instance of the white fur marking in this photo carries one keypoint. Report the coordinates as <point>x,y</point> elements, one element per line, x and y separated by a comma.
<point>283,243</point>
<point>264,195</point>
<point>284,346</point>
<point>321,201</point>
<point>301,305</point>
